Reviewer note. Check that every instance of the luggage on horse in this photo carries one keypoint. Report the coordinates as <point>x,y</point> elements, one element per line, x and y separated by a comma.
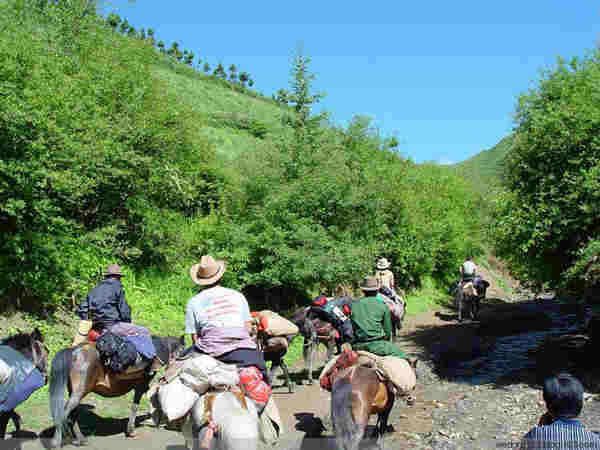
<point>272,324</point>
<point>398,371</point>
<point>335,311</point>
<point>116,353</point>
<point>186,380</point>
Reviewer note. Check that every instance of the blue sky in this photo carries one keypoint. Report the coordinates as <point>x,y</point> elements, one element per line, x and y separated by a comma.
<point>443,77</point>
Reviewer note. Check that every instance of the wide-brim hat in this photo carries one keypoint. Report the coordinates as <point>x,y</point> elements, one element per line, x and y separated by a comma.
<point>207,271</point>
<point>369,284</point>
<point>383,263</point>
<point>113,270</point>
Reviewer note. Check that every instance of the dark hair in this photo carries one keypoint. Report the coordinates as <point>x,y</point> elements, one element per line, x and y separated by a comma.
<point>563,394</point>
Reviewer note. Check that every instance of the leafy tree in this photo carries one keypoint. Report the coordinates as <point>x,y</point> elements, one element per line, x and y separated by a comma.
<point>549,214</point>
<point>233,75</point>
<point>300,95</point>
<point>113,20</point>
<point>282,96</point>
<point>142,34</point>
<point>250,81</point>
<point>219,72</point>
<point>206,68</point>
<point>151,36</point>
<point>189,60</point>
<point>125,26</point>
<point>244,77</point>
<point>161,47</point>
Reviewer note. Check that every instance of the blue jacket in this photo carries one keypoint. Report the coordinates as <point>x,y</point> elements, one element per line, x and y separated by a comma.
<point>105,304</point>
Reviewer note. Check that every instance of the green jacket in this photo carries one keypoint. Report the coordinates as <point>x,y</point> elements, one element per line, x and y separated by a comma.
<point>371,320</point>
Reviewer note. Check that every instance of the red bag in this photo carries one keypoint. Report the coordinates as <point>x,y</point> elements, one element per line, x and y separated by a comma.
<point>319,301</point>
<point>346,359</point>
<point>253,384</point>
<point>93,335</point>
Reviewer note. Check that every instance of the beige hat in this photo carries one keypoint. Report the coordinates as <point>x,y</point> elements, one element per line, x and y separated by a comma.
<point>369,283</point>
<point>208,271</point>
<point>383,263</point>
<point>112,270</point>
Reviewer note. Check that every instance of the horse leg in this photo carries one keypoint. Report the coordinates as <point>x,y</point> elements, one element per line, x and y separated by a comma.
<point>137,397</point>
<point>382,419</point>
<point>80,439</point>
<point>4,418</point>
<point>286,374</point>
<point>308,352</point>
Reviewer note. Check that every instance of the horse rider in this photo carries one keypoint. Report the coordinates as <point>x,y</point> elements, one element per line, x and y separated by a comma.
<point>372,322</point>
<point>468,270</point>
<point>385,277</point>
<point>107,309</point>
<point>219,321</point>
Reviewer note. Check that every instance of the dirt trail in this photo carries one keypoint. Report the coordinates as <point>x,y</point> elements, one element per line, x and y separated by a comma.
<point>453,410</point>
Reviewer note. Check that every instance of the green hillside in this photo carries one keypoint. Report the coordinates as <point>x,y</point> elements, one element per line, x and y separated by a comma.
<point>485,168</point>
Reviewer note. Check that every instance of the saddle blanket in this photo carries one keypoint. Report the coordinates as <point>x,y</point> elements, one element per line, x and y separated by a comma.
<point>23,380</point>
<point>397,370</point>
<point>139,336</point>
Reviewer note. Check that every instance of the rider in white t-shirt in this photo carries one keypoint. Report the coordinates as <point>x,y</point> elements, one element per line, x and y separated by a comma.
<point>468,270</point>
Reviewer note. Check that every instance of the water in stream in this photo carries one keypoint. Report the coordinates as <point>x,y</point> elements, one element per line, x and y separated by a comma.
<point>511,353</point>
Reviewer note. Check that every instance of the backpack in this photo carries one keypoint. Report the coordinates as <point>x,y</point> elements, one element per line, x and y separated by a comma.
<point>116,353</point>
<point>333,312</point>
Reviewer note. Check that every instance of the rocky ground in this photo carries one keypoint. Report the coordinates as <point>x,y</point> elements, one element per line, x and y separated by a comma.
<point>478,383</point>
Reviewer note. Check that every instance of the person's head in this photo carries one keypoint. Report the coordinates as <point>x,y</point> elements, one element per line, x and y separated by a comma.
<point>563,394</point>
<point>382,264</point>
<point>469,257</point>
<point>207,272</point>
<point>369,286</point>
<point>113,271</point>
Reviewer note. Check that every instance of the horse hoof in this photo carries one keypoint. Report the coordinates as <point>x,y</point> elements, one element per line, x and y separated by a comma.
<point>291,388</point>
<point>80,442</point>
<point>309,382</point>
<point>53,443</point>
<point>131,434</point>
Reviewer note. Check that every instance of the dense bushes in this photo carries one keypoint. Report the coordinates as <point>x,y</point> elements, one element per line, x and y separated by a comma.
<point>547,224</point>
<point>92,150</point>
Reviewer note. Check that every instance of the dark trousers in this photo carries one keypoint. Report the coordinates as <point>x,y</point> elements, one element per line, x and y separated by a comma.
<point>245,357</point>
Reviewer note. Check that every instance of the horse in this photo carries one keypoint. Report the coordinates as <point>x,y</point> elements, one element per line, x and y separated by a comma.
<point>80,369</point>
<point>274,349</point>
<point>468,298</point>
<point>315,331</point>
<point>33,348</point>
<point>235,417</point>
<point>356,394</point>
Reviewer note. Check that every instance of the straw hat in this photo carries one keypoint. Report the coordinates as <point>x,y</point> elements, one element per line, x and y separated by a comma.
<point>383,263</point>
<point>113,270</point>
<point>207,271</point>
<point>369,283</point>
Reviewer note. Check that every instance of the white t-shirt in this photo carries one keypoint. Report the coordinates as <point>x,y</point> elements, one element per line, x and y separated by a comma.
<point>218,316</point>
<point>469,268</point>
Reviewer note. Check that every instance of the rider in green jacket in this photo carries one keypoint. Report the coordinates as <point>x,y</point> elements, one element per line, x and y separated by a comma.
<point>372,323</point>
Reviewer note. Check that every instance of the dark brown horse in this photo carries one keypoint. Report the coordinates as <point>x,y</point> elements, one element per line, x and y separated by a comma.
<point>315,331</point>
<point>33,348</point>
<point>356,394</point>
<point>80,370</point>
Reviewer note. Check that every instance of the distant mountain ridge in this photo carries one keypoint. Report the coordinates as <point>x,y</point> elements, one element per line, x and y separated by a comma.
<point>486,167</point>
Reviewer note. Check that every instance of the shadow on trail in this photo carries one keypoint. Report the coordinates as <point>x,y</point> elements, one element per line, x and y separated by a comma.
<point>510,343</point>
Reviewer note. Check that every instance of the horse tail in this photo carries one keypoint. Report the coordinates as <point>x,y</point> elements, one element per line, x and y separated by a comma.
<point>348,433</point>
<point>59,375</point>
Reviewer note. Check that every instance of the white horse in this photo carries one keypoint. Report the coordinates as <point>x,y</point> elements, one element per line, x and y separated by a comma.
<point>238,427</point>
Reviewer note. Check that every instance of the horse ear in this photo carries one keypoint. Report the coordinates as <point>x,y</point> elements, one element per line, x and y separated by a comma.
<point>37,335</point>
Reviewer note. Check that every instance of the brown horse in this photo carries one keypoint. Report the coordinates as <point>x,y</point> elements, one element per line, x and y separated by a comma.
<point>314,331</point>
<point>80,369</point>
<point>356,394</point>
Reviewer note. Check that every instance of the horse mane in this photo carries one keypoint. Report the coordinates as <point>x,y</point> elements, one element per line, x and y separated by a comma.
<point>19,341</point>
<point>165,346</point>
